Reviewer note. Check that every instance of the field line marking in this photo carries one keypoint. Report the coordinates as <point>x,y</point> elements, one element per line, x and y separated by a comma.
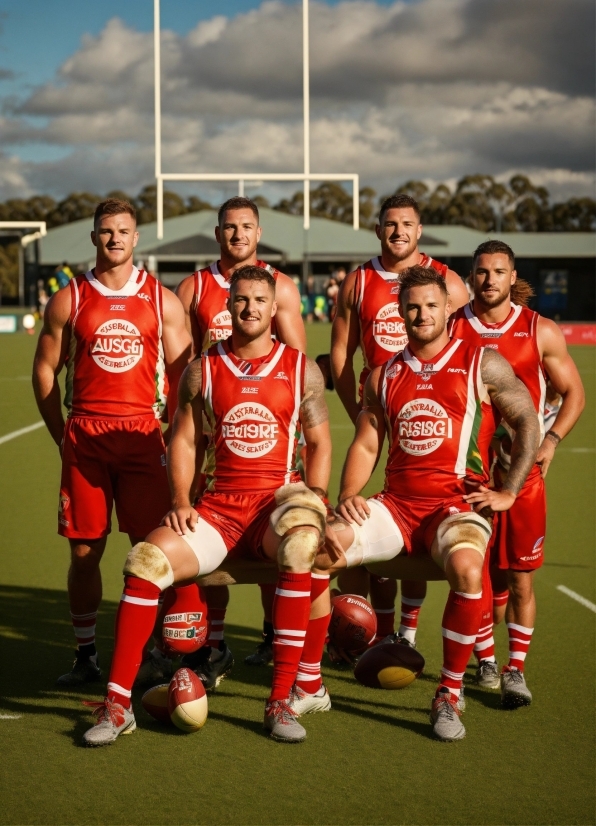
<point>578,449</point>
<point>582,600</point>
<point>21,432</point>
<point>10,716</point>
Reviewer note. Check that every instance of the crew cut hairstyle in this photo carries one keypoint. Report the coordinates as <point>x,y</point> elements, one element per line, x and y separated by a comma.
<point>399,202</point>
<point>238,202</point>
<point>522,291</point>
<point>252,273</point>
<point>113,206</point>
<point>420,277</point>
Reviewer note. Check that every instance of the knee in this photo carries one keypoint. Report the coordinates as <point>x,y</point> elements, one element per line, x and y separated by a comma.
<point>520,585</point>
<point>146,561</point>
<point>85,557</point>
<point>464,571</point>
<point>298,549</point>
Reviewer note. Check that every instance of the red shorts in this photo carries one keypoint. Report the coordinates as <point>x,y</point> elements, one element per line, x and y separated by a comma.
<point>520,531</point>
<point>105,461</point>
<point>241,519</point>
<point>418,519</point>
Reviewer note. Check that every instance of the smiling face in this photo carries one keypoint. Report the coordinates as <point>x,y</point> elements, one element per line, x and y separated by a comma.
<point>115,237</point>
<point>398,232</point>
<point>252,305</point>
<point>238,235</point>
<point>425,310</point>
<point>492,277</point>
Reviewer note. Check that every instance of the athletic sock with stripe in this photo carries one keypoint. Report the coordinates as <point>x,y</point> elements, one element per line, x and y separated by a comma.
<point>291,608</point>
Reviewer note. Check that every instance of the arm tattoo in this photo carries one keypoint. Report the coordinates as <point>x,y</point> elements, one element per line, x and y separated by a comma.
<point>513,401</point>
<point>313,409</point>
<point>190,383</point>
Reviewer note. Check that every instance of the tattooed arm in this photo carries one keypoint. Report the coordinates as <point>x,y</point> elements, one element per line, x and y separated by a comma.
<point>513,401</point>
<point>314,418</point>
<point>186,449</point>
<point>362,453</point>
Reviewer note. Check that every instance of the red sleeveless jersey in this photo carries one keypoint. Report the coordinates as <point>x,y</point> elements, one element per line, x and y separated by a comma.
<point>440,422</point>
<point>115,364</point>
<point>253,412</point>
<point>210,305</point>
<point>382,331</point>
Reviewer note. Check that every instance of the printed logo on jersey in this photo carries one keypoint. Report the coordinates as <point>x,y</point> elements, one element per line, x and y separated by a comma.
<point>117,346</point>
<point>392,371</point>
<point>423,425</point>
<point>250,430</point>
<point>220,327</point>
<point>537,551</point>
<point>388,329</point>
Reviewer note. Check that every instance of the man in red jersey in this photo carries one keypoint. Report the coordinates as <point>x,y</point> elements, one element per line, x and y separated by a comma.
<point>204,296</point>
<point>368,316</point>
<point>438,401</point>
<point>257,394</point>
<point>536,349</point>
<point>120,335</point>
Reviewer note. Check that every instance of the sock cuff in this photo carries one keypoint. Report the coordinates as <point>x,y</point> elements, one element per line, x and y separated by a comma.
<point>468,596</point>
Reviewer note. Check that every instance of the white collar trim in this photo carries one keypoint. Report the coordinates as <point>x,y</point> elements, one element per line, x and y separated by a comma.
<point>480,328</point>
<point>419,367</point>
<point>132,286</point>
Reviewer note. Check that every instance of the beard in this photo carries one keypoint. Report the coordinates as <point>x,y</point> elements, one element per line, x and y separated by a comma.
<point>493,299</point>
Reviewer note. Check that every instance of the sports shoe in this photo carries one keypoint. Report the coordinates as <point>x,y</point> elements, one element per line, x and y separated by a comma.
<point>111,720</point>
<point>514,691</point>
<point>396,638</point>
<point>461,701</point>
<point>487,674</point>
<point>262,655</point>
<point>155,668</point>
<point>282,722</point>
<point>210,671</point>
<point>444,717</point>
<point>301,702</point>
<point>84,670</point>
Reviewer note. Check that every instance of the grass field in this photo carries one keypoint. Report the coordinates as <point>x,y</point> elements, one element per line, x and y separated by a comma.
<point>370,761</point>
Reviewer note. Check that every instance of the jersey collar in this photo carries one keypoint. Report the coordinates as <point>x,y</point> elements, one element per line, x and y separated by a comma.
<point>264,369</point>
<point>481,328</point>
<point>418,366</point>
<point>131,288</point>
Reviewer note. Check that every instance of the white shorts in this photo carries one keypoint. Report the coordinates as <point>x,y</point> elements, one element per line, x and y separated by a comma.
<point>207,545</point>
<point>378,540</point>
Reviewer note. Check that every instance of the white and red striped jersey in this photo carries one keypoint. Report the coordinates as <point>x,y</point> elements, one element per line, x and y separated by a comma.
<point>210,305</point>
<point>115,366</point>
<point>382,331</point>
<point>440,421</point>
<point>253,411</point>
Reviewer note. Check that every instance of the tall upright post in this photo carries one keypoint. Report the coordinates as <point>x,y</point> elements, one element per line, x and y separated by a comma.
<point>306,107</point>
<point>157,98</point>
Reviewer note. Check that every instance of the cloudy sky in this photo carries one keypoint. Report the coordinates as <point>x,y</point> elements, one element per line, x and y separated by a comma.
<point>428,89</point>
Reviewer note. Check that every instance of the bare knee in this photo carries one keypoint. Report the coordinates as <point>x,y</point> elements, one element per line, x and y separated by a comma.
<point>86,556</point>
<point>464,571</point>
<point>520,585</point>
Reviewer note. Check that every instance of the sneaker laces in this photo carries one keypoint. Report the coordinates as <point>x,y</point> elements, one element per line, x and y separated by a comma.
<point>103,710</point>
<point>282,711</point>
<point>515,675</point>
<point>444,704</point>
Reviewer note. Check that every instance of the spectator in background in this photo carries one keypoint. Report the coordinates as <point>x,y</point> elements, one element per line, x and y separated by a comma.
<point>339,275</point>
<point>331,292</point>
<point>63,275</point>
<point>42,298</point>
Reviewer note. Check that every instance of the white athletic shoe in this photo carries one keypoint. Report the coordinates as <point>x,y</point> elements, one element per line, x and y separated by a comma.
<point>282,722</point>
<point>514,691</point>
<point>444,717</point>
<point>301,702</point>
<point>112,719</point>
<point>487,674</point>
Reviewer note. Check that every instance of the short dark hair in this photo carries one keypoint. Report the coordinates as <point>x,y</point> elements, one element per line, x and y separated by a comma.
<point>113,206</point>
<point>419,277</point>
<point>252,273</point>
<point>493,247</point>
<point>399,202</point>
<point>237,203</point>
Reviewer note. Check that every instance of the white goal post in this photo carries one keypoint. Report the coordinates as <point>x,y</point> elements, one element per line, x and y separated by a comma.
<point>306,176</point>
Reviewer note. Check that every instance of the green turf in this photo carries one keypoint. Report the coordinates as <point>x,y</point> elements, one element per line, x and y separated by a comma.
<point>370,761</point>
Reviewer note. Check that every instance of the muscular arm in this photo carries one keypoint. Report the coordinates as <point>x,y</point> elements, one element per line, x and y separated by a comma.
<point>185,292</point>
<point>176,345</point>
<point>288,319</point>
<point>565,379</point>
<point>314,417</point>
<point>458,294</point>
<point>345,336</point>
<point>51,352</point>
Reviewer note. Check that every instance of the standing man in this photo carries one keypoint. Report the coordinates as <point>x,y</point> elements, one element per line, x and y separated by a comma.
<point>120,335</point>
<point>257,394</point>
<point>368,316</point>
<point>438,400</point>
<point>204,296</point>
<point>536,349</point>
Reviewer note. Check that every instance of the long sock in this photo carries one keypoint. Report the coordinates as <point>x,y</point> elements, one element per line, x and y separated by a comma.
<point>501,598</point>
<point>410,610</point>
<point>385,621</point>
<point>215,634</point>
<point>520,638</point>
<point>84,630</point>
<point>461,621</point>
<point>308,677</point>
<point>484,648</point>
<point>291,608</point>
<point>135,619</point>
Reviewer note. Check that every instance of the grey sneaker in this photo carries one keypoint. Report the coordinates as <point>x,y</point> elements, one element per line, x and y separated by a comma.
<point>112,719</point>
<point>210,665</point>
<point>514,691</point>
<point>301,702</point>
<point>444,717</point>
<point>156,668</point>
<point>461,701</point>
<point>282,722</point>
<point>262,655</point>
<point>84,670</point>
<point>487,674</point>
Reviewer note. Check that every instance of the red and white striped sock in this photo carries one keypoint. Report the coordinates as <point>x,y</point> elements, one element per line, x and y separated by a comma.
<point>484,648</point>
<point>461,621</point>
<point>520,638</point>
<point>308,677</point>
<point>135,619</point>
<point>216,618</point>
<point>410,610</point>
<point>291,608</point>
<point>500,599</point>
<point>84,629</point>
<point>385,621</point>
